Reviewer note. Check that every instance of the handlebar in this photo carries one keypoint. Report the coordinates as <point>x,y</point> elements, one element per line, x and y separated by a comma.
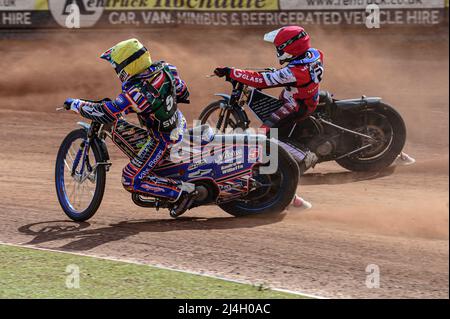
<point>64,107</point>
<point>261,69</point>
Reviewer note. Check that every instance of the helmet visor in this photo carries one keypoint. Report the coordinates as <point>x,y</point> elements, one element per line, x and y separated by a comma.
<point>270,37</point>
<point>107,55</point>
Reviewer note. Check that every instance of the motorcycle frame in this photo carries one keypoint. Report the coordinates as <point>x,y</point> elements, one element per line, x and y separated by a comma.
<point>239,99</point>
<point>96,134</point>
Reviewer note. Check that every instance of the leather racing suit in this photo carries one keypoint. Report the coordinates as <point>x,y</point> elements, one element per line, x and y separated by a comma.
<point>153,95</point>
<point>300,77</point>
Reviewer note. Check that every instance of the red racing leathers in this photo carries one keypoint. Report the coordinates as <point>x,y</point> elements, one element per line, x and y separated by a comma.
<point>301,78</point>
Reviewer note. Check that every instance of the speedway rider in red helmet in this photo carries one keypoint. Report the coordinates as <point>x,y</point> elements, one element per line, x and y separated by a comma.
<point>300,76</point>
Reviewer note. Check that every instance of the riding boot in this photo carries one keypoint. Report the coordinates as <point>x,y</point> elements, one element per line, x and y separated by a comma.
<point>310,159</point>
<point>187,198</point>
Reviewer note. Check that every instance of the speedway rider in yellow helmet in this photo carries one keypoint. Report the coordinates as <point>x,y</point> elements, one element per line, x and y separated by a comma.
<point>152,90</point>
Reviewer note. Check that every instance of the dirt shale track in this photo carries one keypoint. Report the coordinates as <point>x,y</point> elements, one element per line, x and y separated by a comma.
<point>396,219</point>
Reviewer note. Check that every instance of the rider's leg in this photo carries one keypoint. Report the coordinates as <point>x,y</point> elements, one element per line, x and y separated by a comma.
<point>290,113</point>
<point>137,176</point>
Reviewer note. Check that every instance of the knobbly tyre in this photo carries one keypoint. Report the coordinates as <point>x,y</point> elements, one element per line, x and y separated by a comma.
<point>362,134</point>
<point>239,173</point>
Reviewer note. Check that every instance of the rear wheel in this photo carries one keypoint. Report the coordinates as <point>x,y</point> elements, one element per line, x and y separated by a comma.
<point>388,132</point>
<point>276,190</point>
<point>80,185</point>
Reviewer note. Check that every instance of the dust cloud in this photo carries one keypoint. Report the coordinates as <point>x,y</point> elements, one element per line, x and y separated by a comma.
<point>409,69</point>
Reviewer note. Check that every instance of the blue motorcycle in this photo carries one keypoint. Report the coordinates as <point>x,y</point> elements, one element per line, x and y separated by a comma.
<point>244,174</point>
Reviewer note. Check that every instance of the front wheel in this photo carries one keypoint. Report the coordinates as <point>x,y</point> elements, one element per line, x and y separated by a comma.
<point>222,119</point>
<point>387,129</point>
<point>275,192</point>
<point>79,180</point>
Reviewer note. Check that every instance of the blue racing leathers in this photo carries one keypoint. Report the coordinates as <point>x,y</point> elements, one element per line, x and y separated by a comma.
<point>153,95</point>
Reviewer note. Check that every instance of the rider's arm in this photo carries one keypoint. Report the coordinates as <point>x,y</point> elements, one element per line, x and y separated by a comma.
<point>105,111</point>
<point>260,80</point>
<point>181,87</point>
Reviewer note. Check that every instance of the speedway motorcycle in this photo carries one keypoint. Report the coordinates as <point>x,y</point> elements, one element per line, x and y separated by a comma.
<point>362,134</point>
<point>239,173</point>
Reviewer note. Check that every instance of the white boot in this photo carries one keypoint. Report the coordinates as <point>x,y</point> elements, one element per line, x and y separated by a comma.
<point>310,160</point>
<point>300,202</point>
<point>404,159</point>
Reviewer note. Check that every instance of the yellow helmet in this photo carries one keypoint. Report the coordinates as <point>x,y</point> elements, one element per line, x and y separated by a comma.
<point>128,58</point>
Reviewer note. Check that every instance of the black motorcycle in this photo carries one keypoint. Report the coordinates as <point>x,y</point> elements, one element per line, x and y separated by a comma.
<point>362,134</point>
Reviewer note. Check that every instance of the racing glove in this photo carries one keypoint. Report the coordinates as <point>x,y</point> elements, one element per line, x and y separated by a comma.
<point>223,71</point>
<point>183,97</point>
<point>72,105</point>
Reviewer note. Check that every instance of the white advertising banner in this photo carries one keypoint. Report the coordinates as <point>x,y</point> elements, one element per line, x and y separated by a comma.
<point>17,5</point>
<point>359,4</point>
<point>15,14</point>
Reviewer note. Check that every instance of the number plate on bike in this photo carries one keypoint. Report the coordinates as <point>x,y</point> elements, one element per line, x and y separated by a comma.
<point>263,105</point>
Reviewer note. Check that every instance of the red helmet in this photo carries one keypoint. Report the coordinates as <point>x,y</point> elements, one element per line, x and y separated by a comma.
<point>290,41</point>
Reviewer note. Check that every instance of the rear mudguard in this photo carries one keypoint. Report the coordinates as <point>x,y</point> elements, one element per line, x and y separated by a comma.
<point>239,111</point>
<point>356,104</point>
<point>100,144</point>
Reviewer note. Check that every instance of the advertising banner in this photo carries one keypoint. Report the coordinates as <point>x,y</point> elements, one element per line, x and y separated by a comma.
<point>358,4</point>
<point>17,14</point>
